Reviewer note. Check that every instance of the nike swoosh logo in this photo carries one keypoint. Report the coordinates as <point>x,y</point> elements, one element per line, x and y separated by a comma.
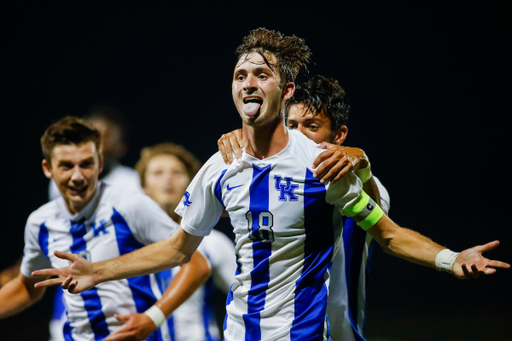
<point>230,188</point>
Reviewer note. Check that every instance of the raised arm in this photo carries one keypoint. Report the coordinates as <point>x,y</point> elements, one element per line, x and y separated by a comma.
<point>414,247</point>
<point>19,294</point>
<point>140,326</point>
<point>82,275</point>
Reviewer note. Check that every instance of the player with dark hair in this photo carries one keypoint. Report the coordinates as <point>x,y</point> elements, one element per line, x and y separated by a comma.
<point>281,214</point>
<point>95,221</point>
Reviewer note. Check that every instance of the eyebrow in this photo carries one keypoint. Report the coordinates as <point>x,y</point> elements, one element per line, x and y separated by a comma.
<point>259,69</point>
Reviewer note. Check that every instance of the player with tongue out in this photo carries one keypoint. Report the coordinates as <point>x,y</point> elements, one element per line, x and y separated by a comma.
<point>281,215</point>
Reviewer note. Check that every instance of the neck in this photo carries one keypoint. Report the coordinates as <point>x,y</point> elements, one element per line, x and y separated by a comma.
<point>266,140</point>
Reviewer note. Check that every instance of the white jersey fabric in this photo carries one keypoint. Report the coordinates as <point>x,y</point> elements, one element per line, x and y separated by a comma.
<point>115,222</point>
<point>284,234</point>
<point>194,320</point>
<point>120,176</point>
<point>348,278</point>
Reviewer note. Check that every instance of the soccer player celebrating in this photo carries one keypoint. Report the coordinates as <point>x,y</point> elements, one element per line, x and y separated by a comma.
<point>319,109</point>
<point>165,171</point>
<point>281,214</point>
<point>95,221</point>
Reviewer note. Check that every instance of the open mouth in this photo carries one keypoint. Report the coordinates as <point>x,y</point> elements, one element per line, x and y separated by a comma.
<point>77,190</point>
<point>252,105</point>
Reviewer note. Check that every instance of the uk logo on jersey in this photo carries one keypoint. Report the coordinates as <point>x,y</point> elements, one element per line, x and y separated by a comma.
<point>186,199</point>
<point>286,188</point>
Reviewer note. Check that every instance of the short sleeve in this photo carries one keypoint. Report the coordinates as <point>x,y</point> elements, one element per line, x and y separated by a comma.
<point>201,206</point>
<point>35,255</point>
<point>148,222</point>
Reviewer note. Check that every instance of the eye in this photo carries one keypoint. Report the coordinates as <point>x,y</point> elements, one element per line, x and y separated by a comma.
<point>292,126</point>
<point>240,78</point>
<point>262,76</point>
<point>87,164</point>
<point>313,127</point>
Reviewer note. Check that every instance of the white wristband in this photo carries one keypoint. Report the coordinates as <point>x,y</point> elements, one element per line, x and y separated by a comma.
<point>364,173</point>
<point>445,259</point>
<point>156,315</point>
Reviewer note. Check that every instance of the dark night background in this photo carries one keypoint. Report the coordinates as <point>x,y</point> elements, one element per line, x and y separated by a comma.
<point>429,86</point>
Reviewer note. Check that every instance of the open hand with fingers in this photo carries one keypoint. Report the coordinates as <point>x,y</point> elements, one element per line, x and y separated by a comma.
<point>337,161</point>
<point>76,278</point>
<point>470,263</point>
<point>136,327</point>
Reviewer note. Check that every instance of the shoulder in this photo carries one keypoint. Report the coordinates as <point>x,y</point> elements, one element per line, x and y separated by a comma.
<point>123,176</point>
<point>43,213</point>
<point>303,149</point>
<point>121,197</point>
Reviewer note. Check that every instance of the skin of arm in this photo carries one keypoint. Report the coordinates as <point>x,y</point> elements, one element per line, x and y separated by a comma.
<point>414,247</point>
<point>190,277</point>
<point>19,294</point>
<point>82,275</point>
<point>10,273</point>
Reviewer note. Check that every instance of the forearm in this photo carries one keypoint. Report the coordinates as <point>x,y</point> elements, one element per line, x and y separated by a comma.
<point>16,296</point>
<point>190,277</point>
<point>156,257</point>
<point>405,243</point>
<point>371,188</point>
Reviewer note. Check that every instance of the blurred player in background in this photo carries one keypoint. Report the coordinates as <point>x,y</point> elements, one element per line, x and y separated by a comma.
<point>97,221</point>
<point>114,130</point>
<point>166,171</point>
<point>319,109</point>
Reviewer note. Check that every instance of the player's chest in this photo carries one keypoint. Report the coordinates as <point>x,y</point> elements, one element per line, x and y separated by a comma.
<point>268,197</point>
<point>95,240</point>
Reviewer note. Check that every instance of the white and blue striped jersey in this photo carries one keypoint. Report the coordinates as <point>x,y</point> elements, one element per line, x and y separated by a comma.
<point>115,222</point>
<point>285,238</point>
<point>346,306</point>
<point>194,320</point>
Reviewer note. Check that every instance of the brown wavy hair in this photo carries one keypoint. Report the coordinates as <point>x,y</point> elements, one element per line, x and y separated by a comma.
<point>291,52</point>
<point>69,130</point>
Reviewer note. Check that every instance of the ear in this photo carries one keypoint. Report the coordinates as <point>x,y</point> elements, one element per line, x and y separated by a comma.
<point>100,163</point>
<point>288,91</point>
<point>47,169</point>
<point>340,136</point>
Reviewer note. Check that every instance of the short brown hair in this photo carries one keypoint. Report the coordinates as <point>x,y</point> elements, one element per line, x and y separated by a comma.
<point>187,158</point>
<point>69,130</point>
<point>291,53</point>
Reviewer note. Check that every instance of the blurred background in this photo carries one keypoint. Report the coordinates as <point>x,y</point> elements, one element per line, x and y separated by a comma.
<point>429,86</point>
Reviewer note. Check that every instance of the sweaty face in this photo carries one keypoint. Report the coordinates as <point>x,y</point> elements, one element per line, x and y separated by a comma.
<point>166,180</point>
<point>75,169</point>
<point>316,128</point>
<point>255,89</point>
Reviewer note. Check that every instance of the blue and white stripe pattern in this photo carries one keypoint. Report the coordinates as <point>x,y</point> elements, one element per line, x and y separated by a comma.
<point>285,239</point>
<point>115,222</point>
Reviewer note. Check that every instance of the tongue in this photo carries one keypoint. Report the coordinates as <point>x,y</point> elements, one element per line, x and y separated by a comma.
<point>251,109</point>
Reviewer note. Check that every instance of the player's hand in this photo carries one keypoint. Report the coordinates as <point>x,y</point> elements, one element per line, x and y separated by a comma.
<point>231,143</point>
<point>471,264</point>
<point>337,161</point>
<point>77,277</point>
<point>136,327</point>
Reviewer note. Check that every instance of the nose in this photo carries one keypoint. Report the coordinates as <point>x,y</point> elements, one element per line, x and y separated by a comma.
<point>250,83</point>
<point>77,175</point>
<point>301,128</point>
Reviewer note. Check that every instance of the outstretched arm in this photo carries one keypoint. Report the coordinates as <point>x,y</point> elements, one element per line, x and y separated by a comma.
<point>414,247</point>
<point>82,275</point>
<point>19,294</point>
<point>139,327</point>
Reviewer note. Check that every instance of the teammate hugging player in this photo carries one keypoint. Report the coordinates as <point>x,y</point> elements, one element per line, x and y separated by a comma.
<point>281,214</point>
